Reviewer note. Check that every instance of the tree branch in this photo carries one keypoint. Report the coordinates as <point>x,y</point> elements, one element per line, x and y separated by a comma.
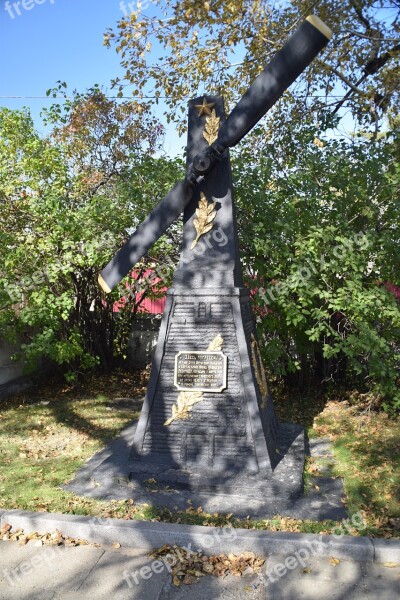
<point>378,62</point>
<point>370,68</point>
<point>343,78</point>
<point>362,18</point>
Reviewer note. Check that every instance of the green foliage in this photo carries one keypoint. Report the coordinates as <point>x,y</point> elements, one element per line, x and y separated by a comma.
<point>220,46</point>
<point>320,232</point>
<point>67,204</point>
<point>319,219</point>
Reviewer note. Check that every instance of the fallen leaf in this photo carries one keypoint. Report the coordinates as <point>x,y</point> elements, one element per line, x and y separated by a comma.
<point>6,528</point>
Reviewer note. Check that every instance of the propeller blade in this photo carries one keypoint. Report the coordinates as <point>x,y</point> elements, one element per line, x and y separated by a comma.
<point>153,227</point>
<point>298,52</point>
<point>285,67</point>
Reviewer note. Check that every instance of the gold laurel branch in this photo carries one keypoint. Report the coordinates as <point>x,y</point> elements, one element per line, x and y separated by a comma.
<point>259,370</point>
<point>205,214</point>
<point>216,344</point>
<point>212,127</point>
<point>183,406</point>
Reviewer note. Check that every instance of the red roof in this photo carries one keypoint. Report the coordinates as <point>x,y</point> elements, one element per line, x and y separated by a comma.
<point>153,306</point>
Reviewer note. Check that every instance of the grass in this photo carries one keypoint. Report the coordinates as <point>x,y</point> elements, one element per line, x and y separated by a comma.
<point>46,435</point>
<point>367,450</point>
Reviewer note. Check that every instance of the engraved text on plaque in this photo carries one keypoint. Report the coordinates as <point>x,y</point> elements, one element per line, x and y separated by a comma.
<point>201,371</point>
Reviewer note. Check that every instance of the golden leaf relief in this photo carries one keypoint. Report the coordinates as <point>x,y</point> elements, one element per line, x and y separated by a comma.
<point>183,406</point>
<point>259,370</point>
<point>216,344</point>
<point>186,400</point>
<point>205,214</point>
<point>212,127</point>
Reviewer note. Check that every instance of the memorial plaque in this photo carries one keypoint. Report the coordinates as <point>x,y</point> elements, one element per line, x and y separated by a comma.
<point>200,371</point>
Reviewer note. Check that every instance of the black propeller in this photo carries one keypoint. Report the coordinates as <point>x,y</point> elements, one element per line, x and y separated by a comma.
<point>298,52</point>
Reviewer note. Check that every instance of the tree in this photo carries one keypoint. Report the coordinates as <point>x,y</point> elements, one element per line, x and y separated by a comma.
<point>221,46</point>
<point>63,216</point>
<point>320,232</point>
<point>323,234</point>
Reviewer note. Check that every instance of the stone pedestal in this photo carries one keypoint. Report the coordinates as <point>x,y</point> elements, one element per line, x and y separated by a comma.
<point>225,433</point>
<point>226,439</point>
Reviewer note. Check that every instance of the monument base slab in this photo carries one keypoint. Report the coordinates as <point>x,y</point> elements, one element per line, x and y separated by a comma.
<point>286,481</point>
<point>108,476</point>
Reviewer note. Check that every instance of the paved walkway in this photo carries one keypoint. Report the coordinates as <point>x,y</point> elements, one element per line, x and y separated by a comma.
<point>88,573</point>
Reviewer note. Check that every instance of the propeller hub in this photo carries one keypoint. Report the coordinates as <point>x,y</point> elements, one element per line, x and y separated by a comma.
<point>202,163</point>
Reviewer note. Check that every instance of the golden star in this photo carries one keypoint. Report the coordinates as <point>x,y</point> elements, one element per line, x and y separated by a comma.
<point>205,108</point>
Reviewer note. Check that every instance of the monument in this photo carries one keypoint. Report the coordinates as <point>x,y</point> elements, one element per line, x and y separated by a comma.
<point>208,422</point>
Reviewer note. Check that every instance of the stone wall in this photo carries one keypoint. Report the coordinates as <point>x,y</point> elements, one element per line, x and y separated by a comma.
<point>9,369</point>
<point>141,345</point>
<point>12,379</point>
<point>143,340</point>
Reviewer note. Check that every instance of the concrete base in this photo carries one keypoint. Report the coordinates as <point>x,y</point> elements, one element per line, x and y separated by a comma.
<point>108,475</point>
<point>286,481</point>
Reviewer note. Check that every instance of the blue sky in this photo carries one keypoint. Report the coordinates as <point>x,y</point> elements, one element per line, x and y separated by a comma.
<point>42,41</point>
<point>59,40</point>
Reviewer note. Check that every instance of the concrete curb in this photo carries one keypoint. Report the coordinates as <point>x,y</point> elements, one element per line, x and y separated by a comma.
<point>386,551</point>
<point>148,536</point>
